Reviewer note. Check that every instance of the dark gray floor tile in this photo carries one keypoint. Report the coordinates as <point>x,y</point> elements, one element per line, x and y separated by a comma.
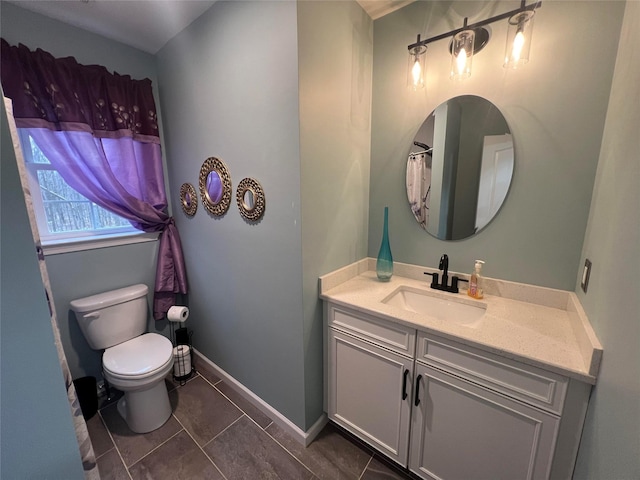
<point>244,405</point>
<point>170,382</point>
<point>330,456</point>
<point>100,439</point>
<point>244,451</point>
<point>202,409</point>
<point>206,371</point>
<point>133,446</point>
<point>381,470</point>
<point>114,395</point>
<point>111,467</point>
<point>179,458</point>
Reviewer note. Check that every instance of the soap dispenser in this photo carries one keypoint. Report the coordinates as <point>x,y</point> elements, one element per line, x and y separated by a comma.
<point>475,281</point>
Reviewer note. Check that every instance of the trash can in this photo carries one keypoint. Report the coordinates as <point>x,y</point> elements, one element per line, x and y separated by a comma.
<point>87,392</point>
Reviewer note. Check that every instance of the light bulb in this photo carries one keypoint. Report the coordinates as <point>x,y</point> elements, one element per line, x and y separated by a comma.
<point>461,61</point>
<point>416,72</point>
<point>518,44</point>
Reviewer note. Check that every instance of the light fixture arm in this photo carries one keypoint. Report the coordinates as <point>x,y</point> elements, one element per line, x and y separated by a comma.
<point>473,26</point>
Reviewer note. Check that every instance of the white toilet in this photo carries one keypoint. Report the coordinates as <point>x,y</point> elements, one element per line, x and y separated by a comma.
<point>133,361</point>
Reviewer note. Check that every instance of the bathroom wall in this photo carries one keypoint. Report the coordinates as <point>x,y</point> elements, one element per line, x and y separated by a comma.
<point>248,83</point>
<point>555,107</point>
<point>335,132</point>
<point>33,396</point>
<point>78,274</point>
<point>610,445</point>
<point>229,89</point>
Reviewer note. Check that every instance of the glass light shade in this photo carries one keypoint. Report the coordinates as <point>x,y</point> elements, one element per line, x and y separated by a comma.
<point>518,39</point>
<point>462,54</point>
<point>416,67</point>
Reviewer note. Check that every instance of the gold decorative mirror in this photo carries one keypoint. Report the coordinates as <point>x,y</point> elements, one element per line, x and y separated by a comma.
<point>215,186</point>
<point>188,199</point>
<point>250,199</point>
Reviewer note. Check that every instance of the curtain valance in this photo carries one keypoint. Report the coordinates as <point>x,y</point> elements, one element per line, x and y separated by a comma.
<point>61,94</point>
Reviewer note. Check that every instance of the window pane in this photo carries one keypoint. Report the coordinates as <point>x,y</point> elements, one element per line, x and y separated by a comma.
<point>68,211</point>
<point>36,154</point>
<point>68,216</point>
<point>53,187</point>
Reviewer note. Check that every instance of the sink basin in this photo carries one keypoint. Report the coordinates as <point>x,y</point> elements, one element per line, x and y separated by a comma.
<point>461,311</point>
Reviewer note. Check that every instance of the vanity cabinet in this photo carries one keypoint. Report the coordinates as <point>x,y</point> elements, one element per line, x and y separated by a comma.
<point>460,430</point>
<point>445,410</point>
<point>371,393</point>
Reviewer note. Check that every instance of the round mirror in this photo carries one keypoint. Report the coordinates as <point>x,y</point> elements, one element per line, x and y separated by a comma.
<point>213,189</point>
<point>215,186</point>
<point>460,167</point>
<point>250,199</point>
<point>188,199</point>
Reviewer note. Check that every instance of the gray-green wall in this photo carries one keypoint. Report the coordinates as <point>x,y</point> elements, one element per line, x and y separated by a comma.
<point>555,107</point>
<point>271,110</point>
<point>335,132</point>
<point>610,445</point>
<point>229,89</point>
<point>78,274</point>
<point>37,439</point>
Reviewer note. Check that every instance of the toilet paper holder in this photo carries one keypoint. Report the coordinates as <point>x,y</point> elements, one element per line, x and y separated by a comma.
<point>183,367</point>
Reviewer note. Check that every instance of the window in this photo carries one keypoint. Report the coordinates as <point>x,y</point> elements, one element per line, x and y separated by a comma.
<point>63,214</point>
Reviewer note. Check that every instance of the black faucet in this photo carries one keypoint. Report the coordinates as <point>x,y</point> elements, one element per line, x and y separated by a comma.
<point>444,266</point>
<point>444,285</point>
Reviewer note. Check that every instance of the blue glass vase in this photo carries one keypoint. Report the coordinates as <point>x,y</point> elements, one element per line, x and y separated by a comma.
<point>384,265</point>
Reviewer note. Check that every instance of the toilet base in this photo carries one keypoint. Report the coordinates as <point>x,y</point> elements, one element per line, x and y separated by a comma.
<point>145,410</point>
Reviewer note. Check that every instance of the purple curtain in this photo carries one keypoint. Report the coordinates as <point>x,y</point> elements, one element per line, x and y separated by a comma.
<point>99,130</point>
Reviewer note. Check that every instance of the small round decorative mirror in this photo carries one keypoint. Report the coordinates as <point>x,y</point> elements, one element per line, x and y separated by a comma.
<point>215,186</point>
<point>460,167</point>
<point>188,199</point>
<point>250,199</point>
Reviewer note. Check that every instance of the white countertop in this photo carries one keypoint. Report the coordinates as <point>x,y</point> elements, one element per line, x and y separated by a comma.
<point>538,326</point>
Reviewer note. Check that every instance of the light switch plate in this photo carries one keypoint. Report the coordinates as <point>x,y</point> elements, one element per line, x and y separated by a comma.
<point>586,273</point>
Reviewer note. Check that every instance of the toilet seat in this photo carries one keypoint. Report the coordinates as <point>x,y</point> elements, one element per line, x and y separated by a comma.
<point>139,357</point>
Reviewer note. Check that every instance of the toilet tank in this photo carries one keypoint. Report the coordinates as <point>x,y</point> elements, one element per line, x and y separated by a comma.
<point>113,317</point>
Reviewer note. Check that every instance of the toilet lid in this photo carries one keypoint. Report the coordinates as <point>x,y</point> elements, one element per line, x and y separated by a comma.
<point>139,355</point>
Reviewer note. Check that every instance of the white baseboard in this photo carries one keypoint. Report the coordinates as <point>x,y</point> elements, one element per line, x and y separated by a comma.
<point>305,438</point>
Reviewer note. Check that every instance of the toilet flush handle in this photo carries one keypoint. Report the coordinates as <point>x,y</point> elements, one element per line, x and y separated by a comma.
<point>92,315</point>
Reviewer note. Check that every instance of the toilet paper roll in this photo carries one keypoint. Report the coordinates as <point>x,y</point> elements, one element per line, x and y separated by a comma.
<point>178,313</point>
<point>181,360</point>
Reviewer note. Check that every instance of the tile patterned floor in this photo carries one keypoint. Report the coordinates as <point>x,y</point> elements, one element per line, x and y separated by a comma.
<point>214,433</point>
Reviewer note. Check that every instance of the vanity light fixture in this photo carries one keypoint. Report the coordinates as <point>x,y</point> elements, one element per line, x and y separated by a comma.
<point>519,39</point>
<point>470,39</point>
<point>462,47</point>
<point>415,70</point>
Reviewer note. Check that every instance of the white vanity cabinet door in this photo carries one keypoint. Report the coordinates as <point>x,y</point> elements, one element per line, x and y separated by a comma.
<point>366,388</point>
<point>461,431</point>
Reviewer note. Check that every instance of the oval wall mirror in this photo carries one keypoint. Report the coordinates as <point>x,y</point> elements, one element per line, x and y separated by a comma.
<point>460,167</point>
<point>188,199</point>
<point>250,199</point>
<point>215,186</point>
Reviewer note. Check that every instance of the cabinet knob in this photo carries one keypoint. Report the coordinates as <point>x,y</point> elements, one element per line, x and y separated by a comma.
<point>416,401</point>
